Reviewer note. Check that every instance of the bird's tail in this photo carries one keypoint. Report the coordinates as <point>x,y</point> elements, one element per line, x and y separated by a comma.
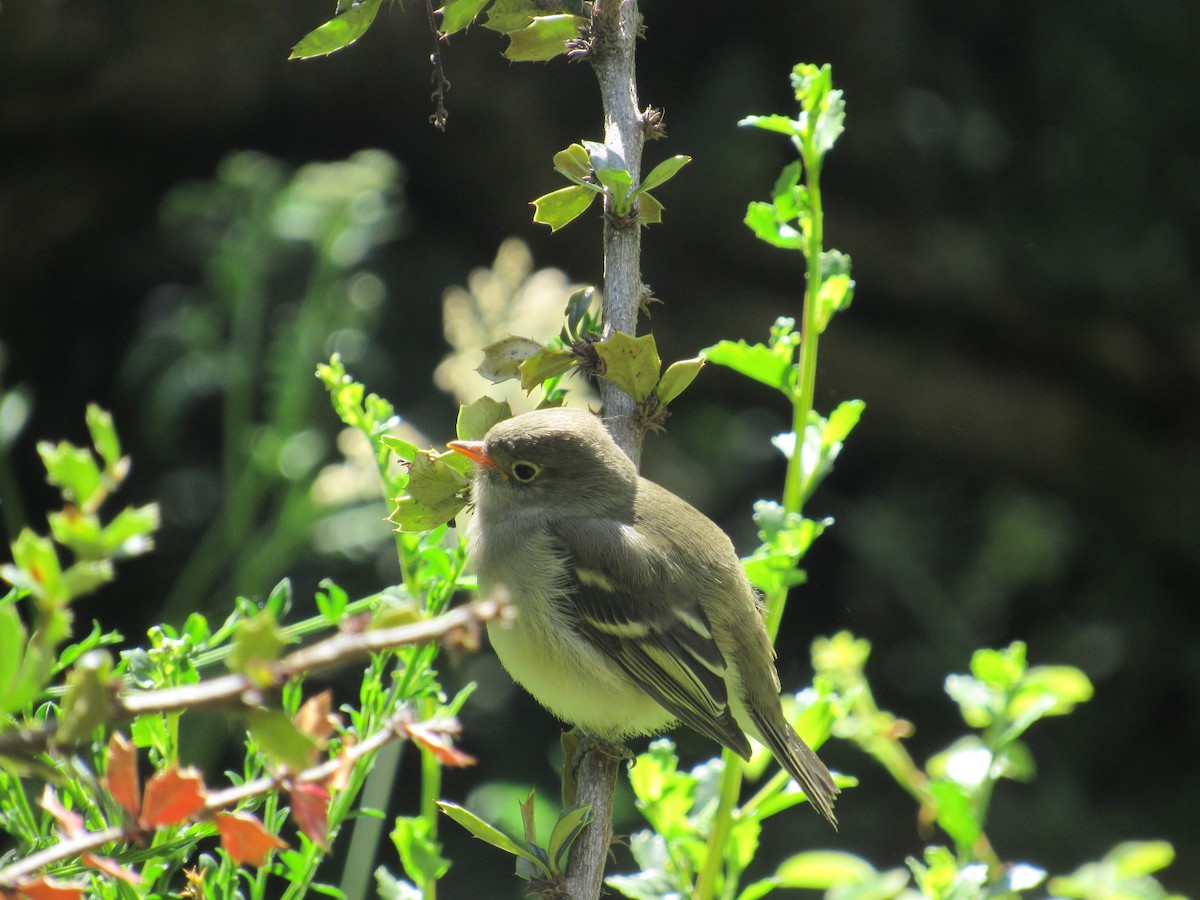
<point>800,761</point>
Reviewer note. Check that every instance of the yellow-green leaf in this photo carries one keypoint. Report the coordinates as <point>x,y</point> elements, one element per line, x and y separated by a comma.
<point>279,738</point>
<point>649,210</point>
<point>436,492</point>
<point>548,363</point>
<point>340,31</point>
<point>573,162</point>
<point>458,14</point>
<point>631,363</point>
<point>477,418</point>
<point>543,39</point>
<point>559,207</point>
<point>677,377</point>
<point>502,359</point>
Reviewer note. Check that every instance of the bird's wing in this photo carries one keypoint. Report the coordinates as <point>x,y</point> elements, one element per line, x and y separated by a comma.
<point>661,640</point>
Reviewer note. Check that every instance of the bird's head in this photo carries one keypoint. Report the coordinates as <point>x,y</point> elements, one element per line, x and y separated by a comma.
<point>560,460</point>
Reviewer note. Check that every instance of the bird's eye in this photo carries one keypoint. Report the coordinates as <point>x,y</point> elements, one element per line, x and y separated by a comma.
<point>525,472</point>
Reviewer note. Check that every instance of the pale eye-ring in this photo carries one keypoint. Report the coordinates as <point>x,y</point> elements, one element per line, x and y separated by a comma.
<point>525,471</point>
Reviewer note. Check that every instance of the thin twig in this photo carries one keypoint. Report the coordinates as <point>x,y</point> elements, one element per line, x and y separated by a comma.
<point>77,845</point>
<point>236,691</point>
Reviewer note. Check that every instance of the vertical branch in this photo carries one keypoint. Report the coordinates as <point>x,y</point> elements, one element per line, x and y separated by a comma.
<point>615,26</point>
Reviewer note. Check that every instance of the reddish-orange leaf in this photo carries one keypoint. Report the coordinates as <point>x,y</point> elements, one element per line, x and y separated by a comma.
<point>47,888</point>
<point>70,822</point>
<point>246,839</point>
<point>112,868</point>
<point>122,777</point>
<point>315,717</point>
<point>438,743</point>
<point>310,809</point>
<point>172,796</point>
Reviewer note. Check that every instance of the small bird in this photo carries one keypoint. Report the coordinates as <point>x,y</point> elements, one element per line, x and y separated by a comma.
<point>633,611</point>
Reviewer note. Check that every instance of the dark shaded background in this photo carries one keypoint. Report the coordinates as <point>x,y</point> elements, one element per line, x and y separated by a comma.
<point>1019,187</point>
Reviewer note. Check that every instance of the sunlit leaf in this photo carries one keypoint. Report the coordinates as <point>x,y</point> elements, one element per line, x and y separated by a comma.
<point>501,359</point>
<point>104,435</point>
<point>566,830</point>
<point>776,123</point>
<point>663,172</point>
<point>439,744</point>
<point>560,207</point>
<point>573,162</point>
<point>755,361</point>
<point>631,363</point>
<point>491,835</point>
<point>649,210</point>
<point>69,821</point>
<point>476,419</point>
<point>676,378</point>
<point>544,38</point>
<point>458,14</point>
<point>823,869</point>
<point>420,852</point>
<point>338,32</point>
<point>762,219</point>
<point>549,362</point>
<point>87,703</point>
<point>257,641</point>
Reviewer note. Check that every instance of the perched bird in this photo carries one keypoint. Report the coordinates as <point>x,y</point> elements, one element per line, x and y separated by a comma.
<point>633,611</point>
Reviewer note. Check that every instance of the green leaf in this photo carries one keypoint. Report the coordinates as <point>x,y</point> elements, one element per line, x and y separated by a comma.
<point>544,38</point>
<point>559,207</point>
<point>458,14</point>
<point>548,362</point>
<point>573,162</point>
<point>566,830</point>
<point>1000,669</point>
<point>104,435</point>
<point>823,869</point>
<point>842,421</point>
<point>649,210</point>
<point>618,183</point>
<point>502,359</point>
<point>436,492</point>
<point>663,172</point>
<point>824,110</point>
<point>72,469</point>
<point>129,533</point>
<point>420,853</point>
<point>85,576</point>
<point>1133,859</point>
<point>759,889</point>
<point>631,363</point>
<point>35,567</point>
<point>755,361</point>
<point>762,219</point>
<point>777,123</point>
<point>955,812</point>
<point>256,641</point>
<point>476,419</point>
<point>835,295</point>
<point>491,835</point>
<point>87,703</point>
<point>510,15</point>
<point>403,449</point>
<point>279,738</point>
<point>338,32</point>
<point>676,379</point>
<point>1064,686</point>
<point>12,649</point>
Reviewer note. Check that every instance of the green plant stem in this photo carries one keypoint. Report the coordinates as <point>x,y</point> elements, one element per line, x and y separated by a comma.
<point>722,825</point>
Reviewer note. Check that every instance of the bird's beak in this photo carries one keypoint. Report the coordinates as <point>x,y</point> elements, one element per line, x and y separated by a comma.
<point>473,450</point>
